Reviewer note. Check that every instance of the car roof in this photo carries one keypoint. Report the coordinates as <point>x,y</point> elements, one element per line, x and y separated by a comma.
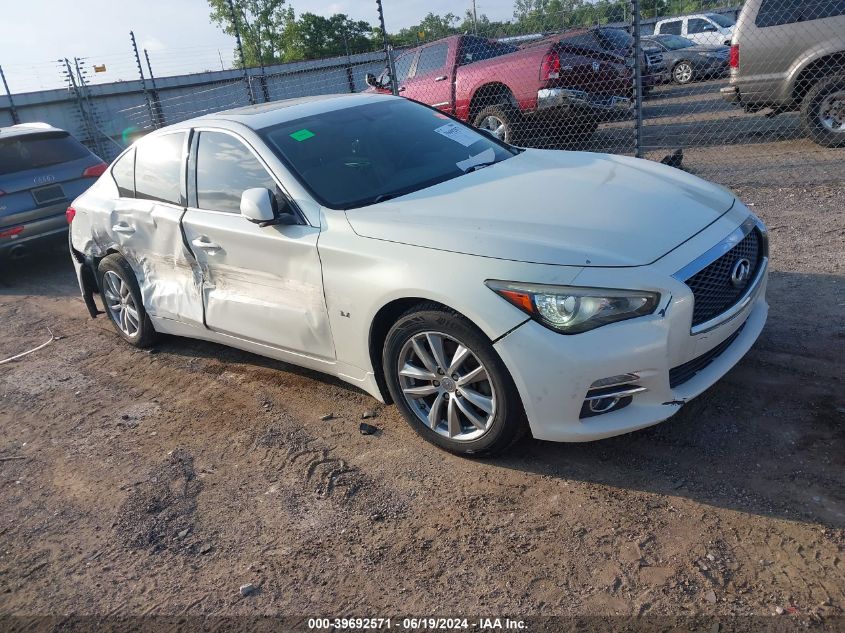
<point>24,129</point>
<point>264,115</point>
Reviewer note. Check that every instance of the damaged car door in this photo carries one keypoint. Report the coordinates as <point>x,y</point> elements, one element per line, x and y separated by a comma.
<point>262,283</point>
<point>144,224</point>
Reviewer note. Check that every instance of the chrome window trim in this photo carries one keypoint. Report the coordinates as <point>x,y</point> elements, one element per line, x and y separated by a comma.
<point>701,262</point>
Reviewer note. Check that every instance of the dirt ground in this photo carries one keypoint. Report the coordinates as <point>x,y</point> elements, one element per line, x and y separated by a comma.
<point>158,483</point>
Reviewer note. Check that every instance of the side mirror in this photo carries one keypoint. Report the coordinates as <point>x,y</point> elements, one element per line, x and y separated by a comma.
<point>259,205</point>
<point>370,80</point>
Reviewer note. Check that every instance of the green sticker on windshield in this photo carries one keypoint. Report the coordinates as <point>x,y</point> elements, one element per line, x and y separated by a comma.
<point>302,135</point>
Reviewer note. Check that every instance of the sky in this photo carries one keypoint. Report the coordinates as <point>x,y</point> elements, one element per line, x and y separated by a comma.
<point>178,35</point>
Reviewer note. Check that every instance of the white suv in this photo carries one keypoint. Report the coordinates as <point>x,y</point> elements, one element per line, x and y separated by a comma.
<point>379,240</point>
<point>709,29</point>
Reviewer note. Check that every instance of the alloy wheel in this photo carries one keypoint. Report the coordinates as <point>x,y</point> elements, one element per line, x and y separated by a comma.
<point>832,111</point>
<point>120,303</point>
<point>446,386</point>
<point>683,73</point>
<point>495,125</point>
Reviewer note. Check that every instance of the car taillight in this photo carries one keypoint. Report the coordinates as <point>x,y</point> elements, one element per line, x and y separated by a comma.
<point>735,56</point>
<point>70,214</point>
<point>11,232</point>
<point>95,170</point>
<point>550,67</point>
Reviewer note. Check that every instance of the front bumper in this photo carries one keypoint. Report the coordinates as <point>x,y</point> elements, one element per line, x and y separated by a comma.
<point>564,98</point>
<point>554,372</point>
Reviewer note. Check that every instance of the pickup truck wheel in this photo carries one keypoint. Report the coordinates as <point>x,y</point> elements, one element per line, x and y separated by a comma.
<point>682,72</point>
<point>450,384</point>
<point>122,300</point>
<point>500,119</point>
<point>823,112</point>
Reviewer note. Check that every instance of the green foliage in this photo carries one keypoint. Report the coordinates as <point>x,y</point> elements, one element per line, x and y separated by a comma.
<point>272,33</point>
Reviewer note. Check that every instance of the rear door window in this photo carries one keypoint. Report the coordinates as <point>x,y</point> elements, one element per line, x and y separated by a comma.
<point>672,28</point>
<point>158,168</point>
<point>817,9</point>
<point>123,173</point>
<point>21,153</point>
<point>777,12</point>
<point>403,66</point>
<point>432,58</point>
<point>225,169</point>
<point>697,25</point>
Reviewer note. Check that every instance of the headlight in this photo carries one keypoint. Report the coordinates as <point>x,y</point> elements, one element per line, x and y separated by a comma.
<point>570,310</point>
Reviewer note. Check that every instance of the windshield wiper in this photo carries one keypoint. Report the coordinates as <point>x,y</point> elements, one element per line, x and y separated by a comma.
<point>477,166</point>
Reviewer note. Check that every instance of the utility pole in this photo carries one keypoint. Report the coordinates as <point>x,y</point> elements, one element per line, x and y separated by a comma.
<point>474,19</point>
<point>12,109</point>
<point>234,17</point>
<point>143,81</point>
<point>638,79</point>
<point>350,79</point>
<point>159,113</point>
<point>394,84</point>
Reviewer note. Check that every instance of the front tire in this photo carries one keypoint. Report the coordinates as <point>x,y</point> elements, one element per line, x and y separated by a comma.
<point>122,301</point>
<point>823,112</point>
<point>682,73</point>
<point>450,384</point>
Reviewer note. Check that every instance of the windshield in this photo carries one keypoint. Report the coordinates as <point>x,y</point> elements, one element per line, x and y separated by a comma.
<point>674,42</point>
<point>722,20</point>
<point>616,39</point>
<point>19,153</point>
<point>363,155</point>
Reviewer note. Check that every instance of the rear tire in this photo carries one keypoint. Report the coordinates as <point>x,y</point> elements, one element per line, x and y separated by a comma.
<point>823,112</point>
<point>502,119</point>
<point>471,406</point>
<point>121,297</point>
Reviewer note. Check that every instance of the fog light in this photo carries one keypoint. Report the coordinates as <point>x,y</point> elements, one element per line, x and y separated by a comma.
<point>610,394</point>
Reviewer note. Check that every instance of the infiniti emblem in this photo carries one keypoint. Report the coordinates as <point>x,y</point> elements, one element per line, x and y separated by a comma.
<point>740,272</point>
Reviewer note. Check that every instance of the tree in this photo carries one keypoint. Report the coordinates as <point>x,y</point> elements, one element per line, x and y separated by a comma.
<point>259,22</point>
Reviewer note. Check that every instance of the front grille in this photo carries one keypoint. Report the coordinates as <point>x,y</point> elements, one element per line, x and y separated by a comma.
<point>653,60</point>
<point>712,287</point>
<point>682,373</point>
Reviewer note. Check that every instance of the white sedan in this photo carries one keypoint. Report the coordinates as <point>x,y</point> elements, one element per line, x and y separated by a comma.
<point>484,289</point>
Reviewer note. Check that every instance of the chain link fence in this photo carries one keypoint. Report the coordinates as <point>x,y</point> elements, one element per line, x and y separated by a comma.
<point>750,94</point>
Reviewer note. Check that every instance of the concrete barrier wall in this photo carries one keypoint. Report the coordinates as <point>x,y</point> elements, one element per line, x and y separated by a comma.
<point>118,112</point>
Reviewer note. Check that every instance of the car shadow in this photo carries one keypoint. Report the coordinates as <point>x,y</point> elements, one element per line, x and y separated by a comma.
<point>767,439</point>
<point>45,269</point>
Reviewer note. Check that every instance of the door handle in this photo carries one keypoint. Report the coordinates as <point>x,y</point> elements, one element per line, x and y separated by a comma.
<point>440,78</point>
<point>401,89</point>
<point>205,244</point>
<point>123,227</point>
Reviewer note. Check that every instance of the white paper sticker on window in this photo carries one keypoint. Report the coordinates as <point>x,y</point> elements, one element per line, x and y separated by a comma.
<point>458,133</point>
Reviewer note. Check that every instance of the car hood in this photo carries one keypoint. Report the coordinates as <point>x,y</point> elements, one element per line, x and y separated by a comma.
<point>553,207</point>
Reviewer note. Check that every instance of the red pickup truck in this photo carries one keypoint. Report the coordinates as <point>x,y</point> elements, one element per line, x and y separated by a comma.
<point>502,88</point>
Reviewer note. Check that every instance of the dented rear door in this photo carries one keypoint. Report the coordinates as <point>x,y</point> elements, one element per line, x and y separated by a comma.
<point>145,226</point>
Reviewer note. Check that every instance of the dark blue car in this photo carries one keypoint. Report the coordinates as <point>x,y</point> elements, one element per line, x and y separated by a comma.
<point>42,169</point>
